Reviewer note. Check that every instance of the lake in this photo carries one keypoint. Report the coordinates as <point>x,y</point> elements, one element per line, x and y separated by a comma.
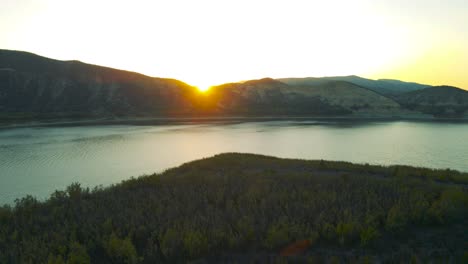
<point>39,160</point>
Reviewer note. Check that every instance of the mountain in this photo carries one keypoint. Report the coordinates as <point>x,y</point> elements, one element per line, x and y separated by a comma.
<point>39,86</point>
<point>441,101</point>
<point>383,86</point>
<point>269,96</point>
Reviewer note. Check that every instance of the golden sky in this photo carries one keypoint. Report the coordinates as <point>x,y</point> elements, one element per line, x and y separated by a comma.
<point>208,42</point>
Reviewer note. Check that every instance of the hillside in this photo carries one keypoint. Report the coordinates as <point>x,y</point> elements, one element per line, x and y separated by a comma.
<point>383,86</point>
<point>269,96</point>
<point>242,208</point>
<point>266,97</point>
<point>35,86</point>
<point>441,101</point>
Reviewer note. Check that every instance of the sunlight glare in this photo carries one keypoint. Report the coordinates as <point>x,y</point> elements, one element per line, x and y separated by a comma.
<point>203,89</point>
<point>213,45</point>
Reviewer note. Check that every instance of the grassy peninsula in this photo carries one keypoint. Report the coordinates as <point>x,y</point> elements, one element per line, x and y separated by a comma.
<point>243,208</point>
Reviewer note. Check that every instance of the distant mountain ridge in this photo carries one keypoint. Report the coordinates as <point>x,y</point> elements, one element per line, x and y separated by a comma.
<point>269,96</point>
<point>383,86</point>
<point>36,88</point>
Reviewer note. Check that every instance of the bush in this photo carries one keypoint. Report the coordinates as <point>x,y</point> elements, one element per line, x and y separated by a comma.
<point>121,250</point>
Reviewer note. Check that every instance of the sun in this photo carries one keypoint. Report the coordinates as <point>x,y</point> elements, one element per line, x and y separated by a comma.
<point>203,89</point>
<point>199,81</point>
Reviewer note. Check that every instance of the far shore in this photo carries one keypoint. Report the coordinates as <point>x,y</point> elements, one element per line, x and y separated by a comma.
<point>215,119</point>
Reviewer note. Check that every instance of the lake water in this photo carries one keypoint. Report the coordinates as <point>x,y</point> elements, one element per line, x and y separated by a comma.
<point>40,160</point>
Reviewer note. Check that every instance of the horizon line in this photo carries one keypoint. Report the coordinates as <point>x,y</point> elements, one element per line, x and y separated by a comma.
<point>227,82</point>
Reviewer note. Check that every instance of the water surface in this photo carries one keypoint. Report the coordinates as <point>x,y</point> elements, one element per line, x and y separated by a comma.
<point>40,160</point>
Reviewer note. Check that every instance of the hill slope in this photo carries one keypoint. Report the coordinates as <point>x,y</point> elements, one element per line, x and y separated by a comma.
<point>38,88</point>
<point>442,101</point>
<point>36,85</point>
<point>382,86</point>
<point>269,96</point>
<point>242,208</point>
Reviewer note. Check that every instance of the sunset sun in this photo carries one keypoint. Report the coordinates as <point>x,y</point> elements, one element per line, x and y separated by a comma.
<point>203,89</point>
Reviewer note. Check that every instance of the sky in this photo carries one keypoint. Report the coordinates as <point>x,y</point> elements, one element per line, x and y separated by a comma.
<point>209,42</point>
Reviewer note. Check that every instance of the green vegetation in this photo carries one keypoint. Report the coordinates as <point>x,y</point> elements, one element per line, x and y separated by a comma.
<point>246,208</point>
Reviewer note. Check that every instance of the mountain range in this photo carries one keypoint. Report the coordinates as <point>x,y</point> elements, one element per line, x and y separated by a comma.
<point>36,88</point>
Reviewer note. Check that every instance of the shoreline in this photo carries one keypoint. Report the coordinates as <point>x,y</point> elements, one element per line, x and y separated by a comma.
<point>215,119</point>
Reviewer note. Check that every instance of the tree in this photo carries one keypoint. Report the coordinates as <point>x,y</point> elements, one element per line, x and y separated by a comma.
<point>396,219</point>
<point>78,254</point>
<point>368,234</point>
<point>121,250</point>
<point>195,243</point>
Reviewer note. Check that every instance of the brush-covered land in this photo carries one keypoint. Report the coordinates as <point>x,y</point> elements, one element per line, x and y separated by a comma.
<point>244,208</point>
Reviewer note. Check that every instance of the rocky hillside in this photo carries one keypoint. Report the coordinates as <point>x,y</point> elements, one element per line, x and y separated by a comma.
<point>383,86</point>
<point>38,86</point>
<point>265,97</point>
<point>269,96</point>
<point>442,101</point>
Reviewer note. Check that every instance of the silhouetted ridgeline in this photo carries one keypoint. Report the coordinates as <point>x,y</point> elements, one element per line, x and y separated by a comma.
<point>38,88</point>
<point>247,208</point>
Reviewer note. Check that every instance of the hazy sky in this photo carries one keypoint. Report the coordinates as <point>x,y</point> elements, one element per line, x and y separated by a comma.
<point>207,42</point>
